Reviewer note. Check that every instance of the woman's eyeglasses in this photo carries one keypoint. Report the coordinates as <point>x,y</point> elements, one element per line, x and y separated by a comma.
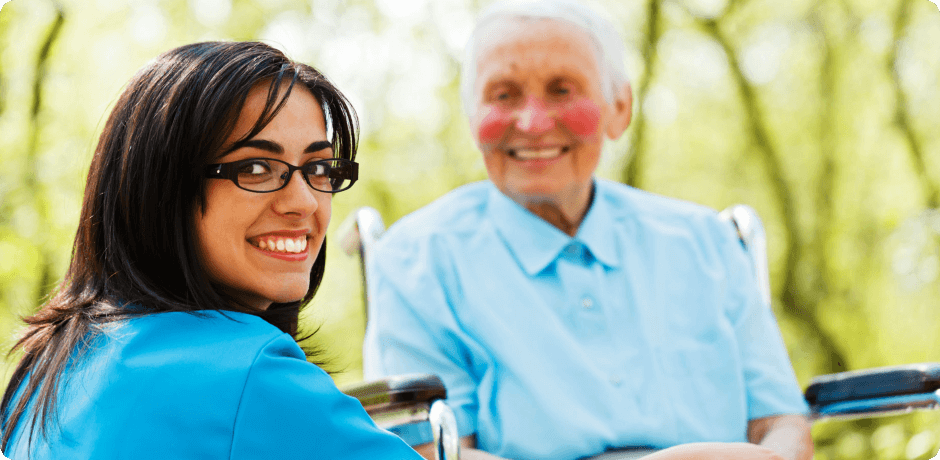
<point>264,175</point>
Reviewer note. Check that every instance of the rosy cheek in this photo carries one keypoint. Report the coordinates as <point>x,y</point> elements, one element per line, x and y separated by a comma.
<point>582,117</point>
<point>493,126</point>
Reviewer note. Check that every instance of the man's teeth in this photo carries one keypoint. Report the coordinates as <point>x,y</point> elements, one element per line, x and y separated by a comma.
<point>537,154</point>
<point>296,245</point>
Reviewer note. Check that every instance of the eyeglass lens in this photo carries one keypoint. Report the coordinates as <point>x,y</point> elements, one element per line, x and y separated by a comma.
<point>265,175</point>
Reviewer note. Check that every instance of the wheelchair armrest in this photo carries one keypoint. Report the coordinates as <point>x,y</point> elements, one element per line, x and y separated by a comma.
<point>875,391</point>
<point>398,400</point>
<point>399,389</point>
<point>874,383</point>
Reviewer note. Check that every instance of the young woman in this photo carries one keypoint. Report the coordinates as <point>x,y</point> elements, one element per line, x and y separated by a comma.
<point>173,334</point>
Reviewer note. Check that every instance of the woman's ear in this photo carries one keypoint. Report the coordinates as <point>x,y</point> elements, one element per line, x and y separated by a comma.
<point>622,112</point>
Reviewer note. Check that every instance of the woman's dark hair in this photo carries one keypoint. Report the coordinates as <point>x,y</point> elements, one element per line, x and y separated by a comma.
<point>135,251</point>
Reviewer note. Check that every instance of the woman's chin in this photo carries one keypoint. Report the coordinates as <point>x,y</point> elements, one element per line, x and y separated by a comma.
<point>291,295</point>
<point>287,287</point>
<point>261,299</point>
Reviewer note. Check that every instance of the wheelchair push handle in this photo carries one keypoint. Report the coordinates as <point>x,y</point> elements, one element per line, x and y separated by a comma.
<point>358,232</point>
<point>753,237</point>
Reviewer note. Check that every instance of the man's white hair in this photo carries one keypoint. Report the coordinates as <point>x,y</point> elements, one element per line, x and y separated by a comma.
<point>607,41</point>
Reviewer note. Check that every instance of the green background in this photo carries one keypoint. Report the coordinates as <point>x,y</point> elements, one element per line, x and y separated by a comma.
<point>822,115</point>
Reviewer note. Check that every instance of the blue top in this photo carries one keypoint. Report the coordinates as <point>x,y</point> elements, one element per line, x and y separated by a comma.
<point>181,386</point>
<point>645,329</point>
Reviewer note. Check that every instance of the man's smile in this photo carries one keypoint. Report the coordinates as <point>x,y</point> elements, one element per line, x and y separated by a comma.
<point>548,153</point>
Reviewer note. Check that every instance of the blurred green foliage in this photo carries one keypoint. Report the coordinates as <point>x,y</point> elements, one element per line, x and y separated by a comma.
<point>823,115</point>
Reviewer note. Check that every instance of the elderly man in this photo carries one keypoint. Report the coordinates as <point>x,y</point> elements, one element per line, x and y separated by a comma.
<point>569,315</point>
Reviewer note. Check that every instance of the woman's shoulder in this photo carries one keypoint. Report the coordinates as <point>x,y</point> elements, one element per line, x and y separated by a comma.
<point>221,342</point>
<point>202,328</point>
<point>185,377</point>
<point>201,322</point>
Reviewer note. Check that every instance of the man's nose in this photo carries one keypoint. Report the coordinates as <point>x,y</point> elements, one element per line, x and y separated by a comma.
<point>534,117</point>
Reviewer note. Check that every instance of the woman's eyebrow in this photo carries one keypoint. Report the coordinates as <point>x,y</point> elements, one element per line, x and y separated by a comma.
<point>317,146</point>
<point>260,144</point>
<point>274,147</point>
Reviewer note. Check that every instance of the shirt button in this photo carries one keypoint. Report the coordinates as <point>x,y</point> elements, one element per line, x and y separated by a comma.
<point>615,380</point>
<point>587,303</point>
<point>571,250</point>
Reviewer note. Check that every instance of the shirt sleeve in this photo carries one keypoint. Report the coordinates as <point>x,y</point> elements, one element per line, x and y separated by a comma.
<point>771,384</point>
<point>290,408</point>
<point>412,328</point>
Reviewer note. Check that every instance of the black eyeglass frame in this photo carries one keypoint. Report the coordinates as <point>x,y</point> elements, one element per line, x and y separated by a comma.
<point>230,171</point>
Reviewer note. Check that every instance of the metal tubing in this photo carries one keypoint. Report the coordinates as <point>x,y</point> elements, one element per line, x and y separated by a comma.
<point>888,405</point>
<point>754,238</point>
<point>444,427</point>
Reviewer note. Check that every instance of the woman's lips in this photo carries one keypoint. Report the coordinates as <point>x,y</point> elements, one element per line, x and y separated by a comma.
<point>292,248</point>
<point>280,244</point>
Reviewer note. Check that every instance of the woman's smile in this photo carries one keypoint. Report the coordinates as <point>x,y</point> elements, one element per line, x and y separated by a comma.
<point>281,246</point>
<point>279,243</point>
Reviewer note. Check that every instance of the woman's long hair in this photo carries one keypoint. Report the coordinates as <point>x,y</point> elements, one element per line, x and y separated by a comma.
<point>135,251</point>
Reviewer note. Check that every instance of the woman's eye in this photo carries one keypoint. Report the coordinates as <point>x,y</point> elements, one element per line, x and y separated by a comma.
<point>254,168</point>
<point>318,169</point>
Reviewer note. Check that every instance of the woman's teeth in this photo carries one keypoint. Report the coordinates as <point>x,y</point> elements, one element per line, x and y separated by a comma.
<point>537,154</point>
<point>283,244</point>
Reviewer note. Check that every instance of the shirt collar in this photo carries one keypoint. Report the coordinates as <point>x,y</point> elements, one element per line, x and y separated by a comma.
<point>598,230</point>
<point>535,243</point>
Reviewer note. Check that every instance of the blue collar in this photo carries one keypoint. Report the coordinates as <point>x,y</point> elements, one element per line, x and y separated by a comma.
<point>535,243</point>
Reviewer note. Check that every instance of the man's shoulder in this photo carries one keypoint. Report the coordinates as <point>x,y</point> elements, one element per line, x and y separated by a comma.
<point>459,212</point>
<point>648,207</point>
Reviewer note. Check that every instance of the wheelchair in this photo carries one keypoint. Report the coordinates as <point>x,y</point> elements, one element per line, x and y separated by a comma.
<point>397,401</point>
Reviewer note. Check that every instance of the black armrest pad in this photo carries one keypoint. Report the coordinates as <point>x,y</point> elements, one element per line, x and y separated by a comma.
<point>874,383</point>
<point>399,389</point>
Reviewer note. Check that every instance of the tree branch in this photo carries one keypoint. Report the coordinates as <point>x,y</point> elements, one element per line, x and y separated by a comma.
<point>902,118</point>
<point>795,303</point>
<point>31,181</point>
<point>631,174</point>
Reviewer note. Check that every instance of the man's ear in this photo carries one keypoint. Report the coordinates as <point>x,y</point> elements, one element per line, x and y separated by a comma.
<point>622,112</point>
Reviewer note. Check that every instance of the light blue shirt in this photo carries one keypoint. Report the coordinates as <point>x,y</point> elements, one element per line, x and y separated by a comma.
<point>179,386</point>
<point>645,329</point>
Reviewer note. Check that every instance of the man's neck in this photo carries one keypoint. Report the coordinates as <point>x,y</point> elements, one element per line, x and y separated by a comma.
<point>565,215</point>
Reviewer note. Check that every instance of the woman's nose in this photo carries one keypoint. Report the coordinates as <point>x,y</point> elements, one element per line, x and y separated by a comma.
<point>534,117</point>
<point>297,198</point>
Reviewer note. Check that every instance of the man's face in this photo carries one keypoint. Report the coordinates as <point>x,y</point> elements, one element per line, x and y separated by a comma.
<point>540,114</point>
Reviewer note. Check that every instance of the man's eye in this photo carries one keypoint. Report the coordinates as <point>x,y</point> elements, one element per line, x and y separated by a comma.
<point>503,94</point>
<point>560,90</point>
